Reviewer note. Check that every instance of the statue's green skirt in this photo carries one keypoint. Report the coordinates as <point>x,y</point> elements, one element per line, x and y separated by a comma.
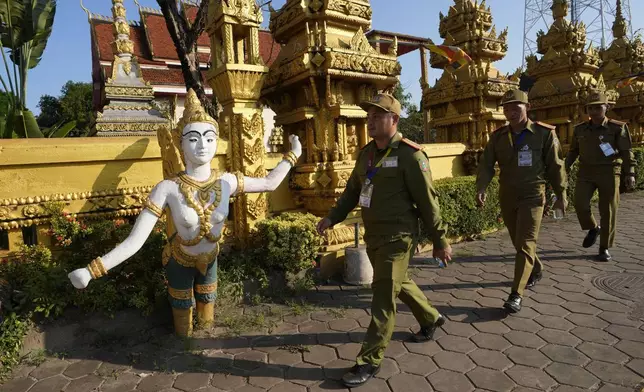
<point>185,284</point>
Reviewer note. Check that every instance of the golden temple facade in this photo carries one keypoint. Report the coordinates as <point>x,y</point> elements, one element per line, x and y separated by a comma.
<point>623,58</point>
<point>464,105</point>
<point>564,75</point>
<point>325,68</point>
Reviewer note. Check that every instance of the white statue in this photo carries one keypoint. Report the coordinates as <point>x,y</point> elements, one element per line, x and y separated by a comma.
<point>196,202</point>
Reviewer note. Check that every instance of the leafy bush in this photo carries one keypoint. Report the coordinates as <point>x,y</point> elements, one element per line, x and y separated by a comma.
<point>12,331</point>
<point>281,247</point>
<point>287,242</point>
<point>38,282</point>
<point>457,199</point>
<point>639,170</point>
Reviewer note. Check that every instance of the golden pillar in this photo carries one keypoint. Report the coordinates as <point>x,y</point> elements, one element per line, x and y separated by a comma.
<point>236,77</point>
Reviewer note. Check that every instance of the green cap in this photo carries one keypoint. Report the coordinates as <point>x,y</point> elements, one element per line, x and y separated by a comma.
<point>597,98</point>
<point>384,101</point>
<point>515,96</point>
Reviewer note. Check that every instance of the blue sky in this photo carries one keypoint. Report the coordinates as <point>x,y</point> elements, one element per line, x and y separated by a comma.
<point>68,55</point>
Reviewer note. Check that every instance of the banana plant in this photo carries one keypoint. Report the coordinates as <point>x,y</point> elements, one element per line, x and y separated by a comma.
<point>60,129</point>
<point>25,28</point>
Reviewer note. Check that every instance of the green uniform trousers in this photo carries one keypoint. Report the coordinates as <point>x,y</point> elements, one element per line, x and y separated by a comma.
<point>390,259</point>
<point>608,187</point>
<point>523,220</point>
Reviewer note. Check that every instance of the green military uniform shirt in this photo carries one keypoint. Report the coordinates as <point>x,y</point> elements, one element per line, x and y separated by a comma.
<point>402,190</point>
<point>586,144</point>
<point>525,160</point>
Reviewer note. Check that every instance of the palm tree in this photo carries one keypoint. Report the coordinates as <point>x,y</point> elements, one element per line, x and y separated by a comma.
<point>25,27</point>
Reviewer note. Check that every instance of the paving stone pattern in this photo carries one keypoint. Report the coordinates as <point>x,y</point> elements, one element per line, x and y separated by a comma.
<point>570,336</point>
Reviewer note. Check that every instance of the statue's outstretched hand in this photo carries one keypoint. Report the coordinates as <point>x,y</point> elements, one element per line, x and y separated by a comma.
<point>296,146</point>
<point>80,278</point>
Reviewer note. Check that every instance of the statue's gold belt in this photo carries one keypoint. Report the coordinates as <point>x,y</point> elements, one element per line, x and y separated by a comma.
<point>201,261</point>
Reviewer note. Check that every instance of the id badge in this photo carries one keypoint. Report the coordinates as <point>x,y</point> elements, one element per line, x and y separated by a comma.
<point>525,158</point>
<point>607,149</point>
<point>390,162</point>
<point>365,195</point>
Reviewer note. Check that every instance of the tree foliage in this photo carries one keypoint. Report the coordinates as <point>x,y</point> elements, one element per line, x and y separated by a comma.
<point>411,120</point>
<point>73,104</point>
<point>50,111</point>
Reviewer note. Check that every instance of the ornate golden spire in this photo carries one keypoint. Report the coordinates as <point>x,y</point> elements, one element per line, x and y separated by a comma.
<point>122,46</point>
<point>619,26</point>
<point>194,113</point>
<point>559,9</point>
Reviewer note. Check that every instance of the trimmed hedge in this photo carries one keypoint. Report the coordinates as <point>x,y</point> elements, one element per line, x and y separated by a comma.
<point>288,242</point>
<point>457,199</point>
<point>639,170</point>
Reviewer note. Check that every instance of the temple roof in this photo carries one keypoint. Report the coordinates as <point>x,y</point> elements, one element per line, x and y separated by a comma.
<point>406,43</point>
<point>157,56</point>
<point>155,50</point>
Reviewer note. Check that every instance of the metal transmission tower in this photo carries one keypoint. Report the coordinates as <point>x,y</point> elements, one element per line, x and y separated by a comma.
<point>537,16</point>
<point>597,15</point>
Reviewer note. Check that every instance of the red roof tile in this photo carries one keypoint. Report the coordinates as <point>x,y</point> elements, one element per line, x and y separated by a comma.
<point>167,77</point>
<point>268,48</point>
<point>104,34</point>
<point>153,45</point>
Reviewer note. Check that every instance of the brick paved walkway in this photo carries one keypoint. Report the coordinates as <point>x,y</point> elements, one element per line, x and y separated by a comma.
<point>569,337</point>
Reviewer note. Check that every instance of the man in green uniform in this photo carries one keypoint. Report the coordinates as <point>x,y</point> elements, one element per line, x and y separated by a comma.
<point>528,153</point>
<point>392,183</point>
<point>604,150</point>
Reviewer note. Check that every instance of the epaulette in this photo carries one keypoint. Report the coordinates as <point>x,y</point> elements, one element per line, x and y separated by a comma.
<point>412,144</point>
<point>616,122</point>
<point>542,124</point>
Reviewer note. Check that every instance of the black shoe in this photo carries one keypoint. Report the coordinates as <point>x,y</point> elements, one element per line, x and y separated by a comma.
<point>513,304</point>
<point>359,374</point>
<point>591,237</point>
<point>534,278</point>
<point>427,333</point>
<point>604,255</point>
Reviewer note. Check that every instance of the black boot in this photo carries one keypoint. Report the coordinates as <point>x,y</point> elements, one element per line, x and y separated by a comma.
<point>427,333</point>
<point>359,374</point>
<point>604,255</point>
<point>534,278</point>
<point>513,303</point>
<point>591,237</point>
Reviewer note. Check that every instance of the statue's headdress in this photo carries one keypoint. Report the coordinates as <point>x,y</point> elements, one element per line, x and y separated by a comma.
<point>193,113</point>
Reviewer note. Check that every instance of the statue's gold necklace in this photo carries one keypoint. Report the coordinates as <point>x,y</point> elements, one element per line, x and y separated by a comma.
<point>188,186</point>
